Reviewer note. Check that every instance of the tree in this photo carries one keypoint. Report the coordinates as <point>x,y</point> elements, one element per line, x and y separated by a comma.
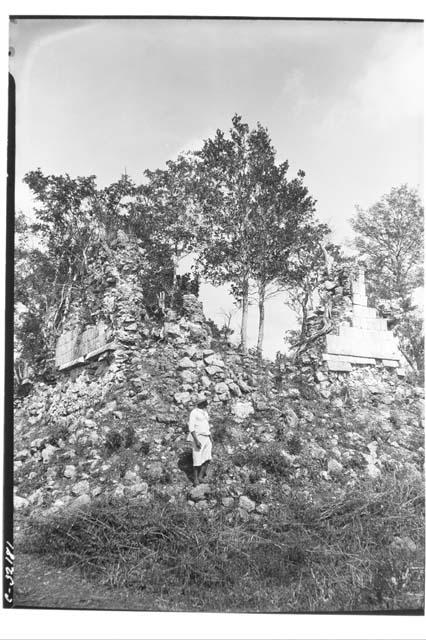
<point>71,218</point>
<point>226,193</point>
<point>284,223</point>
<point>307,269</point>
<point>253,214</point>
<point>170,210</point>
<point>390,242</point>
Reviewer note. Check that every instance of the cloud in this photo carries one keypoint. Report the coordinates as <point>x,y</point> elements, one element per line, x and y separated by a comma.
<point>392,87</point>
<point>295,94</point>
<point>388,91</point>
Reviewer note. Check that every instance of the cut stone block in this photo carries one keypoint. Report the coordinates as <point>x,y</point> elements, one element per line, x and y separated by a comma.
<point>339,365</point>
<point>360,311</point>
<point>367,344</point>
<point>351,359</point>
<point>372,324</point>
<point>371,334</point>
<point>359,298</point>
<point>393,364</point>
<point>73,345</point>
<point>111,346</point>
<point>360,360</point>
<point>73,363</point>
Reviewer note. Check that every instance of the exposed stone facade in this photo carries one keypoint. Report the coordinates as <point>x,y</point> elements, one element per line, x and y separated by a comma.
<point>365,341</point>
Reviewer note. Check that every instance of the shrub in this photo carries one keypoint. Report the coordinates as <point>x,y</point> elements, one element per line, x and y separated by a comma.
<point>145,448</point>
<point>116,439</point>
<point>294,445</point>
<point>312,552</point>
<point>269,458</point>
<point>113,441</point>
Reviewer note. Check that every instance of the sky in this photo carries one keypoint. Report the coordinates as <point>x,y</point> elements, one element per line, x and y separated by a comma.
<point>341,100</point>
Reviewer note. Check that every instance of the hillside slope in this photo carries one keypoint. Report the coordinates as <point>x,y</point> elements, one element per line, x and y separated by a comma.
<point>328,466</point>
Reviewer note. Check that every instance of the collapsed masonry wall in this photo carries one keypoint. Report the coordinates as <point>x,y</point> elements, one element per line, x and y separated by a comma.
<point>114,423</point>
<point>365,340</point>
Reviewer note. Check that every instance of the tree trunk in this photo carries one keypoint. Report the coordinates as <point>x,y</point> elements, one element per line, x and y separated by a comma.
<point>244,316</point>
<point>261,331</point>
<point>175,266</point>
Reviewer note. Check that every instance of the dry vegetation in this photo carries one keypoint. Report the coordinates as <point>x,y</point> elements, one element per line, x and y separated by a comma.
<point>324,554</point>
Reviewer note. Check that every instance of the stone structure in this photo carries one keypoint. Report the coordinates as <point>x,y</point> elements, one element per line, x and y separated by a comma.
<point>74,347</point>
<point>367,341</point>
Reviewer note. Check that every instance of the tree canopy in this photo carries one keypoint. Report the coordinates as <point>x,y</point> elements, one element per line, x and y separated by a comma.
<point>389,238</point>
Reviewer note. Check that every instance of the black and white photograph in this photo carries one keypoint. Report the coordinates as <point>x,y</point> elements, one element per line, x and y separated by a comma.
<point>215,245</point>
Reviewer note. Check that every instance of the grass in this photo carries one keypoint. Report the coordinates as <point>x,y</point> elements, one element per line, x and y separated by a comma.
<point>309,554</point>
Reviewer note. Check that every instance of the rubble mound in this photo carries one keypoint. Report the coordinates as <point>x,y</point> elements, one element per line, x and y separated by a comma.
<point>115,424</point>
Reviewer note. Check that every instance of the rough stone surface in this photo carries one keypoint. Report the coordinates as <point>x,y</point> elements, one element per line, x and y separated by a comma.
<point>242,410</point>
<point>70,471</point>
<point>334,467</point>
<point>82,501</point>
<point>245,503</point>
<point>199,492</point>
<point>81,488</point>
<point>183,397</point>
<point>186,363</point>
<point>214,360</point>
<point>47,453</point>
<point>20,503</point>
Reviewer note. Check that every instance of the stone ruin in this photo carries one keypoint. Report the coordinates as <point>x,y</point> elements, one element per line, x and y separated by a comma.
<point>74,347</point>
<point>366,340</point>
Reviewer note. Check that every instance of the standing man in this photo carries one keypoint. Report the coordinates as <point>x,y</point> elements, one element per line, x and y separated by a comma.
<point>199,435</point>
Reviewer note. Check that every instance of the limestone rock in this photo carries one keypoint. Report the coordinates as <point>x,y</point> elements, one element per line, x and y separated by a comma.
<point>334,467</point>
<point>262,508</point>
<point>221,388</point>
<point>190,350</point>
<point>172,329</point>
<point>200,492</point>
<point>205,381</point>
<point>291,418</point>
<point>293,392</point>
<point>317,452</point>
<point>70,471</point>
<point>412,472</point>
<point>183,397</point>
<point>47,453</point>
<point>227,501</point>
<point>137,489</point>
<point>213,370</point>
<point>196,330</point>
<point>234,389</point>
<point>22,454</point>
<point>82,501</point>
<point>261,405</point>
<point>37,443</point>
<point>215,361</point>
<point>155,471</point>
<point>241,410</point>
<point>188,376</point>
<point>320,376</point>
<point>186,363</point>
<point>245,388</point>
<point>405,543</point>
<point>373,471</point>
<point>130,476</point>
<point>245,503</point>
<point>20,503</point>
<point>80,488</point>
<point>202,504</point>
